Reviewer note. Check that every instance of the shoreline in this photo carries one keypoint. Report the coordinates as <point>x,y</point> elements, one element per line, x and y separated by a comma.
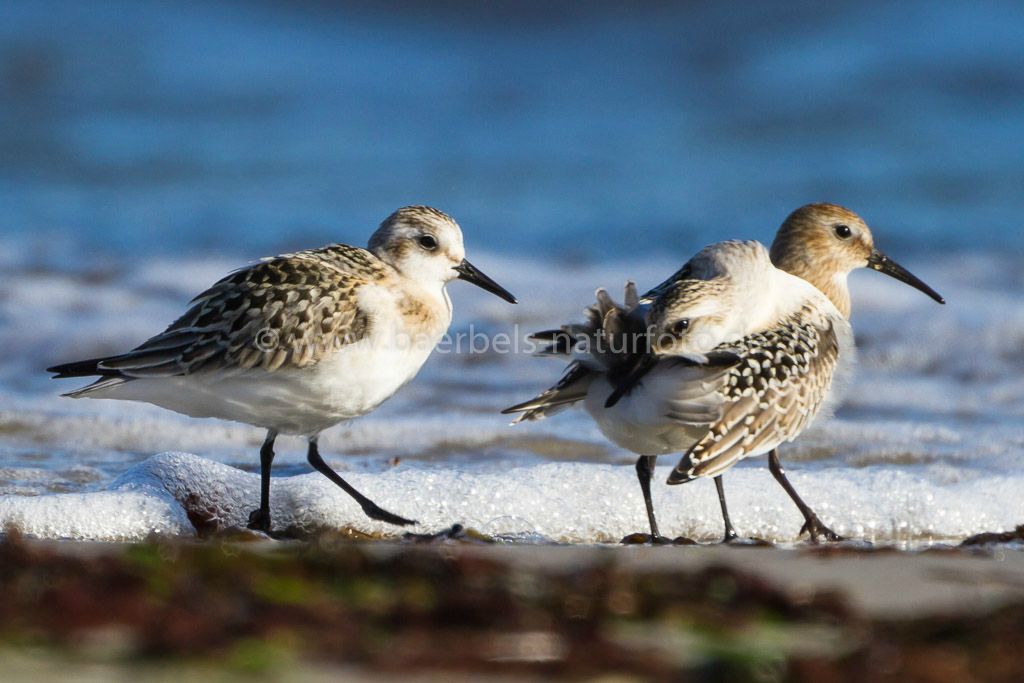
<point>225,607</point>
<point>883,581</point>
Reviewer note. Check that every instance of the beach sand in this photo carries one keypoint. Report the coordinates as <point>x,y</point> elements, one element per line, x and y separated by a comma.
<point>331,607</point>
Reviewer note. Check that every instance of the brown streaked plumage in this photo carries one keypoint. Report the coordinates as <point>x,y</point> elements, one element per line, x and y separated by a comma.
<point>300,342</point>
<point>702,329</point>
<point>771,395</point>
<point>786,365</point>
<point>785,369</point>
<point>303,305</point>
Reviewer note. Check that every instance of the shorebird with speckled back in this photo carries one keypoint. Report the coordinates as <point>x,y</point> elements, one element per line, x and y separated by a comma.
<point>739,353</point>
<point>297,343</point>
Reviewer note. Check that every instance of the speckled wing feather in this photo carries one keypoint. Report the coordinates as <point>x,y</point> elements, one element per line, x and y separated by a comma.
<point>571,387</point>
<point>771,395</point>
<point>284,312</point>
<point>606,342</point>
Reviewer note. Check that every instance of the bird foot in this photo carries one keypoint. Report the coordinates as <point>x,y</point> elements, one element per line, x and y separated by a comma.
<point>374,512</point>
<point>259,520</point>
<point>816,528</point>
<point>648,539</point>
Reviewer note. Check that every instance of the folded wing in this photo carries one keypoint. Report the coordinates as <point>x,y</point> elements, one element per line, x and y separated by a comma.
<point>288,311</point>
<point>770,396</point>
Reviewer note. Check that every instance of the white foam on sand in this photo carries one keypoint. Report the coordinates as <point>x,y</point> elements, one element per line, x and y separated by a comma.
<point>564,502</point>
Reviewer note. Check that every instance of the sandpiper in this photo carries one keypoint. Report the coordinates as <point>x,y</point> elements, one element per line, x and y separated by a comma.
<point>788,340</point>
<point>297,343</point>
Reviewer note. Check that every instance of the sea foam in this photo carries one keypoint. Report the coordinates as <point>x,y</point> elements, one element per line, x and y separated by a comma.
<point>561,502</point>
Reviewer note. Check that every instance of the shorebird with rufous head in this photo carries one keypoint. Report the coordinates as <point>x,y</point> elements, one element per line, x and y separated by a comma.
<point>297,343</point>
<point>768,356</point>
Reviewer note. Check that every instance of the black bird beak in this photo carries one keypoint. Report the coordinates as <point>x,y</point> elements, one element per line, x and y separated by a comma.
<point>468,272</point>
<point>883,264</point>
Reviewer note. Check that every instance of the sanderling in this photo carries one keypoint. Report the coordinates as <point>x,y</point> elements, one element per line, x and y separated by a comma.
<point>300,342</point>
<point>788,340</point>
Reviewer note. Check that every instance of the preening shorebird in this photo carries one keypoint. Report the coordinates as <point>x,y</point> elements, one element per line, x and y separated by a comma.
<point>297,343</point>
<point>729,358</point>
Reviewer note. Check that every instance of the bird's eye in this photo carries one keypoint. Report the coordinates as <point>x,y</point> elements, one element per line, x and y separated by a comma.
<point>843,232</point>
<point>680,326</point>
<point>428,242</point>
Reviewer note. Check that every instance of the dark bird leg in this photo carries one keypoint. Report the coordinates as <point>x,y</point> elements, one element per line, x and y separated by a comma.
<point>730,533</point>
<point>369,507</point>
<point>260,519</point>
<point>812,525</point>
<point>644,473</point>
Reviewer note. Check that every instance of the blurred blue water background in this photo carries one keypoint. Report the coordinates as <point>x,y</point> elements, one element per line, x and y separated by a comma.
<point>570,131</point>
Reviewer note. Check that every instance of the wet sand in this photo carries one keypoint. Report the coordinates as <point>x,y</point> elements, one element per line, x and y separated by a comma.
<point>330,606</point>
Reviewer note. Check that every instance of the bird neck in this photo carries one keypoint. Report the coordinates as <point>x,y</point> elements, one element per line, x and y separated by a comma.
<point>832,283</point>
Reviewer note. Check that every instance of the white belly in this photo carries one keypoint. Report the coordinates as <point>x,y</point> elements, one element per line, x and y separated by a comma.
<point>351,382</point>
<point>638,422</point>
